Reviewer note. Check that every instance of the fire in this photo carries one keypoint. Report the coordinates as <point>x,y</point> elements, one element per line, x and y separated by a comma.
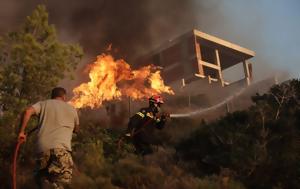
<point>112,79</point>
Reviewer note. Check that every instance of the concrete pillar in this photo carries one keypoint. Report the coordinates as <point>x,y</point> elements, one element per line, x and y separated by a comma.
<point>218,62</point>
<point>247,72</point>
<point>199,56</point>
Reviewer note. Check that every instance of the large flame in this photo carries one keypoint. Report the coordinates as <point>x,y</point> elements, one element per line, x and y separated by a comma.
<point>113,79</point>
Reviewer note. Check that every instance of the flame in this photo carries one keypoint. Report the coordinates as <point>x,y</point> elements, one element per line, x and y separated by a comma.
<point>113,79</point>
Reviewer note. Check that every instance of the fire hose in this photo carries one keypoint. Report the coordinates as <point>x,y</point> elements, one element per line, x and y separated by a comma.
<point>15,158</point>
<point>14,165</point>
<point>190,114</point>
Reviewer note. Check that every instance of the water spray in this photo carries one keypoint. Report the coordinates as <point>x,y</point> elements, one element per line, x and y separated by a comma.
<point>201,111</point>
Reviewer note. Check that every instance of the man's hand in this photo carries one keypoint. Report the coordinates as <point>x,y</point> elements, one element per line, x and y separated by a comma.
<point>76,129</point>
<point>27,114</point>
<point>22,137</point>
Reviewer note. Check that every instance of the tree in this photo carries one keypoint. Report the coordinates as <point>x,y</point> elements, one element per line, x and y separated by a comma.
<point>261,145</point>
<point>32,62</point>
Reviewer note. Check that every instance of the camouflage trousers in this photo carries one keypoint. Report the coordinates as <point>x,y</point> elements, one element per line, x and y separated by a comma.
<point>55,168</point>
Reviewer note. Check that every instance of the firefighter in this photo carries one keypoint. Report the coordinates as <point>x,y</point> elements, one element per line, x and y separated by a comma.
<point>141,124</point>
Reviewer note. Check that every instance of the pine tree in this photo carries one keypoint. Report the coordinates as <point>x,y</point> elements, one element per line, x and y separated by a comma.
<point>32,61</point>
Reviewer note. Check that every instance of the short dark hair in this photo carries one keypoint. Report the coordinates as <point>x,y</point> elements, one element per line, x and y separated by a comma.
<point>58,92</point>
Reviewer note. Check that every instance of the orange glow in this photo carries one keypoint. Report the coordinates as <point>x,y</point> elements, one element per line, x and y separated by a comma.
<point>113,79</point>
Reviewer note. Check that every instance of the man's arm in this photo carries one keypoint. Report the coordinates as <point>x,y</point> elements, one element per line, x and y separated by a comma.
<point>26,117</point>
<point>76,123</point>
<point>76,129</point>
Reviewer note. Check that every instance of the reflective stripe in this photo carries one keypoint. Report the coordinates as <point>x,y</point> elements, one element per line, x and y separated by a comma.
<point>140,114</point>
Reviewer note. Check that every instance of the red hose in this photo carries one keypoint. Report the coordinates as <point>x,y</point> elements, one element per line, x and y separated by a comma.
<point>14,165</point>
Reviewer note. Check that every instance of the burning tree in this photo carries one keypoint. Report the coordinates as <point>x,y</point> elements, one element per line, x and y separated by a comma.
<point>113,79</point>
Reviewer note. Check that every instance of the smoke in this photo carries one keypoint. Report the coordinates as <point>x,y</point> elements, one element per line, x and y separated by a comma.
<point>131,26</point>
<point>134,27</point>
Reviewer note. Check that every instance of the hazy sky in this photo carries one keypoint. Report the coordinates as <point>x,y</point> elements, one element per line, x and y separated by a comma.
<point>269,27</point>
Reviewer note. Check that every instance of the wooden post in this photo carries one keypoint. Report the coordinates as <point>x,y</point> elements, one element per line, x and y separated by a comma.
<point>219,64</point>
<point>129,107</point>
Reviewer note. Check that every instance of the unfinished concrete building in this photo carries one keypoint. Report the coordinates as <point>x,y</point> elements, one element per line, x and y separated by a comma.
<point>193,64</point>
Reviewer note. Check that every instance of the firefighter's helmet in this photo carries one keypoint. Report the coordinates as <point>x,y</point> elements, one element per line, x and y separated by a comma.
<point>156,99</point>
